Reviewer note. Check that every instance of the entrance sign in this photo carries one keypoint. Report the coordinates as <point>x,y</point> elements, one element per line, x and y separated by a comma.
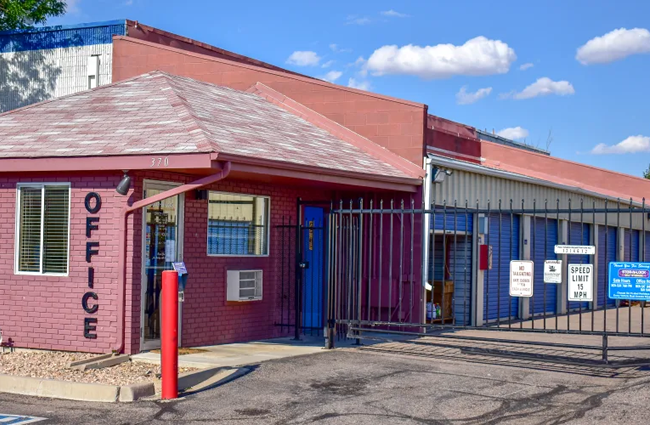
<point>581,282</point>
<point>629,281</point>
<point>521,278</point>
<point>553,271</point>
<point>575,249</point>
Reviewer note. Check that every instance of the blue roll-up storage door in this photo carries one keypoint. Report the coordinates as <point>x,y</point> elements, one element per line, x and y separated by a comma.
<point>497,302</point>
<point>632,237</point>
<point>578,235</point>
<point>451,220</point>
<point>606,254</point>
<point>436,259</point>
<point>543,234</point>
<point>460,269</point>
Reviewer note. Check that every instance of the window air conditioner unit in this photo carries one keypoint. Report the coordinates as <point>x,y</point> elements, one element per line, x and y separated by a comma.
<point>244,285</point>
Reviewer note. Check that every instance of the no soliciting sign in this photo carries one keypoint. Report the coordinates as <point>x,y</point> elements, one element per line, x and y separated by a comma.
<point>581,282</point>
<point>521,278</point>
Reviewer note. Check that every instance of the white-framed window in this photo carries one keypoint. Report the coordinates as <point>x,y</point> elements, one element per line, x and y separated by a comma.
<point>42,228</point>
<point>238,225</point>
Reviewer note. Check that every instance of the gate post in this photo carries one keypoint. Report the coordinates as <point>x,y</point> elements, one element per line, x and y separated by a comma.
<point>562,288</point>
<point>479,275</point>
<point>594,242</point>
<point>524,303</point>
<point>298,290</point>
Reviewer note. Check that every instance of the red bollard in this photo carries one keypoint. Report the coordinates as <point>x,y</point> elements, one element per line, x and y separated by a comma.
<point>169,335</point>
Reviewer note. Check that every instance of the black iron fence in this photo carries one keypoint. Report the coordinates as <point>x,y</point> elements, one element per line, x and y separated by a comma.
<point>528,267</point>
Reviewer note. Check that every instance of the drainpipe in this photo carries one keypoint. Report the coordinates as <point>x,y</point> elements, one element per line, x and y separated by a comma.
<point>121,283</point>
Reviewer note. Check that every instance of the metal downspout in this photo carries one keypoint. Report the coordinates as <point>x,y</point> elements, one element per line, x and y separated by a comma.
<point>121,284</point>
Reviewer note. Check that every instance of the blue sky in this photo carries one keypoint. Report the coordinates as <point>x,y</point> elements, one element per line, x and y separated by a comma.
<point>596,104</point>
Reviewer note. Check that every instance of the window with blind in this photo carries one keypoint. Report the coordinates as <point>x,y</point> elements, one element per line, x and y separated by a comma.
<point>43,218</point>
<point>238,225</point>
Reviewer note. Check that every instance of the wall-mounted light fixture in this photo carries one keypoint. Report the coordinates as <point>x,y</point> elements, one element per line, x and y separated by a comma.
<point>124,185</point>
<point>439,174</point>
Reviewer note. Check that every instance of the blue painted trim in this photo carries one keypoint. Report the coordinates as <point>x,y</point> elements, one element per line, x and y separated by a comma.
<point>66,27</point>
<point>61,37</point>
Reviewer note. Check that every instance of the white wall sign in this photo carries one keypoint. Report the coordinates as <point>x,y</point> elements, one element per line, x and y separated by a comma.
<point>575,249</point>
<point>521,278</point>
<point>553,271</point>
<point>581,282</point>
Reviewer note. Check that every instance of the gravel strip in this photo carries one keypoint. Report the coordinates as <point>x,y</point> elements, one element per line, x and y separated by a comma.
<point>54,365</point>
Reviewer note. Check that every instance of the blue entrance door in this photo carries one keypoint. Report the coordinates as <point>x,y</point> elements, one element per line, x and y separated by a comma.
<point>314,255</point>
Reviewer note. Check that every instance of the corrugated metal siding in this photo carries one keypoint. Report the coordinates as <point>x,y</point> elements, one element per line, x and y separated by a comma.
<point>464,186</point>
<point>578,235</point>
<point>606,254</point>
<point>497,301</point>
<point>32,76</point>
<point>544,236</point>
<point>460,268</point>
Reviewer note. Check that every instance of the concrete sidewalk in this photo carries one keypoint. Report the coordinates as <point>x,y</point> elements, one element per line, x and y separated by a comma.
<point>240,354</point>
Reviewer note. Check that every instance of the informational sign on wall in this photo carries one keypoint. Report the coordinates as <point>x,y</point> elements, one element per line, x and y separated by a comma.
<point>629,281</point>
<point>581,282</point>
<point>521,278</point>
<point>553,271</point>
<point>575,249</point>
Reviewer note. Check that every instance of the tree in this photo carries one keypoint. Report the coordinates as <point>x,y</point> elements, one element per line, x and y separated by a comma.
<point>24,14</point>
<point>646,173</point>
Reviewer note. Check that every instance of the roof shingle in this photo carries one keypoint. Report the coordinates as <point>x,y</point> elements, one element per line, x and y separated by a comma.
<point>159,113</point>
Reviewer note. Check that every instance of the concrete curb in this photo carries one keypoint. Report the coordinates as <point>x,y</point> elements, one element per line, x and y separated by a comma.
<point>133,392</point>
<point>191,381</point>
<point>100,362</point>
<point>58,389</point>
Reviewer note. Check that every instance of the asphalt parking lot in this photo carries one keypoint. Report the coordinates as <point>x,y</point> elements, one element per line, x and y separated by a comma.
<point>382,385</point>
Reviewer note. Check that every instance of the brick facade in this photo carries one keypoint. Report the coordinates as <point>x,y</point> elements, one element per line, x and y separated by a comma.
<point>45,312</point>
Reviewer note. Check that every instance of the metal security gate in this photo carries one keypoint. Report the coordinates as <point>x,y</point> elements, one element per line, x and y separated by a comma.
<point>394,269</point>
<point>302,247</point>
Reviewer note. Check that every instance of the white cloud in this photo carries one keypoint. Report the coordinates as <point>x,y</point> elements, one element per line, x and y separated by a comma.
<point>478,56</point>
<point>526,66</point>
<point>72,6</point>
<point>394,14</point>
<point>336,49</point>
<point>463,97</point>
<point>632,144</point>
<point>614,45</point>
<point>357,20</point>
<point>513,133</point>
<point>359,62</point>
<point>328,64</point>
<point>542,87</point>
<point>332,76</point>
<point>361,85</point>
<point>128,2</point>
<point>304,58</point>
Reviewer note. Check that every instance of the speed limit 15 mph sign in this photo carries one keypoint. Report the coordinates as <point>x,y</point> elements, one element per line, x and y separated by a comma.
<point>581,282</point>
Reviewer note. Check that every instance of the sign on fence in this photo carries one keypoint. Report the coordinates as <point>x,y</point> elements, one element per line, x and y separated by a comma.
<point>629,281</point>
<point>575,249</point>
<point>521,278</point>
<point>581,282</point>
<point>553,271</point>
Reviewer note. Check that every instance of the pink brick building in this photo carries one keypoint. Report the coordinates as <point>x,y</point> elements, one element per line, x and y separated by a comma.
<point>236,162</point>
